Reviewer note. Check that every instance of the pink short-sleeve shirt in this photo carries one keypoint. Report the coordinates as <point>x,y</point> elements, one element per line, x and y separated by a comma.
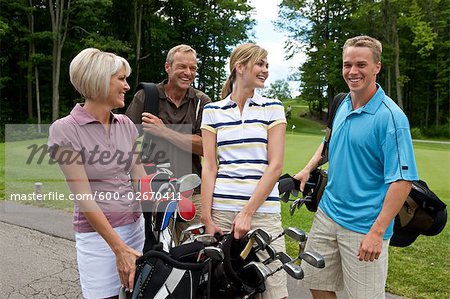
<point>107,159</point>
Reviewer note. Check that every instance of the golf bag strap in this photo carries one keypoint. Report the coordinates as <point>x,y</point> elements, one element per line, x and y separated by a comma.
<point>334,107</point>
<point>151,102</point>
<point>170,284</point>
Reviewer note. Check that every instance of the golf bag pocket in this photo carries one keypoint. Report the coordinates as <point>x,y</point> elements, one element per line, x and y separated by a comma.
<point>160,276</point>
<point>229,279</point>
<point>314,188</point>
<point>423,213</point>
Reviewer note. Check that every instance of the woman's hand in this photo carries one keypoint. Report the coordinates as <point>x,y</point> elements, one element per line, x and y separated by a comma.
<point>241,224</point>
<point>126,266</point>
<point>212,228</point>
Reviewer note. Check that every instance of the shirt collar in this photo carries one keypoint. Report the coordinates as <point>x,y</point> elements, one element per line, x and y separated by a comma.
<point>372,105</point>
<point>189,95</point>
<point>82,117</point>
<point>256,99</point>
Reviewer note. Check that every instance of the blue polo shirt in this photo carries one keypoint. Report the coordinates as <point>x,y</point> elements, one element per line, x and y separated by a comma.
<point>370,148</point>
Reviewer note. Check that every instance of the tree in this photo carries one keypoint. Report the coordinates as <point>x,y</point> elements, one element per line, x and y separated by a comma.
<point>318,28</point>
<point>279,90</point>
<point>59,14</point>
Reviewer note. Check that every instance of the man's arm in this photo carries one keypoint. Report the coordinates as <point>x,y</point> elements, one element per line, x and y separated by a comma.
<point>303,175</point>
<point>371,245</point>
<point>187,142</point>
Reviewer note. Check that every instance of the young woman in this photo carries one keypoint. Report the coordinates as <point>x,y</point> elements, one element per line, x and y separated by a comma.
<point>243,147</point>
<point>94,149</point>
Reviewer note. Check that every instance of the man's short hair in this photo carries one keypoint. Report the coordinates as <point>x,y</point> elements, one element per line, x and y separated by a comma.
<point>91,71</point>
<point>180,48</point>
<point>366,41</point>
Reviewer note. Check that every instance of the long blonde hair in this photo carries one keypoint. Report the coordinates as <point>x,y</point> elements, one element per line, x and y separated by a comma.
<point>246,54</point>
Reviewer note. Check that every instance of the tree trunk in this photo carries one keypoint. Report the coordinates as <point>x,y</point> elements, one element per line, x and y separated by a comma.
<point>38,102</point>
<point>427,111</point>
<point>30,17</point>
<point>437,108</point>
<point>138,7</point>
<point>397,65</point>
<point>59,35</point>
<point>388,85</point>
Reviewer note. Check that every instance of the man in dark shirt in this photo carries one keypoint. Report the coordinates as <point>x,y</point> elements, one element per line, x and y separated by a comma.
<point>175,131</point>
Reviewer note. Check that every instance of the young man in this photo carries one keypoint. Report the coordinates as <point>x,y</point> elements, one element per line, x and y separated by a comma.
<point>180,109</point>
<point>371,166</point>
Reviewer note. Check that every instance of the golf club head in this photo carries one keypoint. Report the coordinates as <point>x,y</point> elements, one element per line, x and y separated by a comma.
<point>261,244</point>
<point>293,270</point>
<point>194,229</point>
<point>188,182</point>
<point>214,253</point>
<point>284,257</point>
<point>262,270</point>
<point>265,235</point>
<point>272,252</point>
<point>295,233</point>
<point>294,205</point>
<point>313,258</point>
<point>206,239</point>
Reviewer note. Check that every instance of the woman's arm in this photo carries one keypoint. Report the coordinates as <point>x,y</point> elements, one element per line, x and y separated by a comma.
<point>137,172</point>
<point>78,182</point>
<point>275,156</point>
<point>209,174</point>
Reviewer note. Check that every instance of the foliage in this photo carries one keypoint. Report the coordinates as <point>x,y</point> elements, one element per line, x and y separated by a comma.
<point>141,31</point>
<point>414,34</point>
<point>279,90</point>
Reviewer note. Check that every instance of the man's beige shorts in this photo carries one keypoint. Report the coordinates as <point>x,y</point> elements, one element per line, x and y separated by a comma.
<point>343,270</point>
<point>276,285</point>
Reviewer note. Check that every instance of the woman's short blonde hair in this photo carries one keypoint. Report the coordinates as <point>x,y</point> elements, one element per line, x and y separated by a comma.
<point>91,71</point>
<point>247,54</point>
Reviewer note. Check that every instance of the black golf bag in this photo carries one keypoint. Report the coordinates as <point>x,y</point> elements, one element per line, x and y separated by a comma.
<point>176,274</point>
<point>229,279</point>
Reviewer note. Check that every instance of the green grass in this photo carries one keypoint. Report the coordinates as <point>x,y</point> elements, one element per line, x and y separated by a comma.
<point>20,174</point>
<point>421,270</point>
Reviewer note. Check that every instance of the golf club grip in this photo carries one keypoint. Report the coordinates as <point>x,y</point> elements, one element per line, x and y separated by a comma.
<point>247,249</point>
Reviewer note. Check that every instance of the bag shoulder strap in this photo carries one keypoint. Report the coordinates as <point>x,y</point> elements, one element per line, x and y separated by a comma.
<point>151,102</point>
<point>334,106</point>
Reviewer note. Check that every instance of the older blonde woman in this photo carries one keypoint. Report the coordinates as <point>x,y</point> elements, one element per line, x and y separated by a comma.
<point>94,149</point>
<point>245,131</point>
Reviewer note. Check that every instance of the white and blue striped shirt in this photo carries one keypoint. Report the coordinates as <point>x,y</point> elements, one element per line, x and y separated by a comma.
<point>242,149</point>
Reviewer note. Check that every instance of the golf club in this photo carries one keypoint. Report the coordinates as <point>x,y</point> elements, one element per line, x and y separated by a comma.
<point>206,239</point>
<point>194,229</point>
<point>188,182</point>
<point>312,258</point>
<point>293,270</point>
<point>293,233</point>
<point>214,253</point>
<point>272,254</point>
<point>250,236</point>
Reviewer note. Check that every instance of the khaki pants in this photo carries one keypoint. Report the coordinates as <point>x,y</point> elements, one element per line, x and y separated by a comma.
<point>276,285</point>
<point>343,270</point>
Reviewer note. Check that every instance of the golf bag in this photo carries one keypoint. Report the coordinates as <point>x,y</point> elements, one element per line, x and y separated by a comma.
<point>163,199</point>
<point>176,274</point>
<point>229,279</point>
